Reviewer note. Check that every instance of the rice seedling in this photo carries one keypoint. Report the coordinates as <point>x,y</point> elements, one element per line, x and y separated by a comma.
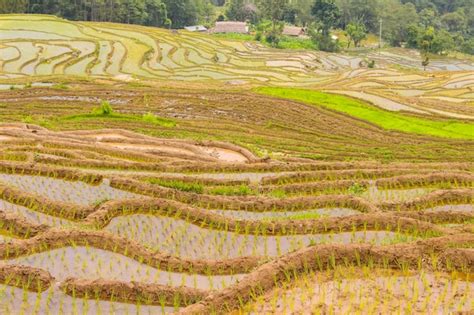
<point>140,188</point>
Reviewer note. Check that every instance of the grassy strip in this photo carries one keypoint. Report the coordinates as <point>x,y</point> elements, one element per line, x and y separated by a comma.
<point>176,184</point>
<point>286,42</point>
<point>385,119</point>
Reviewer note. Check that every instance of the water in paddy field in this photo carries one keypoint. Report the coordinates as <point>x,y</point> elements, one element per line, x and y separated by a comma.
<point>34,216</point>
<point>66,191</point>
<point>92,263</point>
<point>180,238</point>
<point>54,301</point>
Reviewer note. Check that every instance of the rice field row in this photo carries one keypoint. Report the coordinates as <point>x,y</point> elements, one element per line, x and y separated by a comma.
<point>180,236</point>
<point>213,197</point>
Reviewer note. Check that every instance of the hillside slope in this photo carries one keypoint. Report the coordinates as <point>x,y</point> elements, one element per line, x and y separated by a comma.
<point>45,45</point>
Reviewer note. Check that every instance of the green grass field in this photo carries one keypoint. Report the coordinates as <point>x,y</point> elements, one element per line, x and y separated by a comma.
<point>385,119</point>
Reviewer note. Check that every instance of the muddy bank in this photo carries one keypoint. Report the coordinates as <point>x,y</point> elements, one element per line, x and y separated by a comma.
<point>123,140</point>
<point>435,198</point>
<point>32,279</point>
<point>41,170</point>
<point>464,179</point>
<point>132,292</point>
<point>313,187</point>
<point>263,203</point>
<point>44,205</point>
<point>346,174</point>
<point>321,257</point>
<point>19,226</point>
<point>437,217</point>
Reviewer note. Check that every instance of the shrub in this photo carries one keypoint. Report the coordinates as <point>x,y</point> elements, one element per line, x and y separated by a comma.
<point>357,189</point>
<point>153,119</point>
<point>105,109</point>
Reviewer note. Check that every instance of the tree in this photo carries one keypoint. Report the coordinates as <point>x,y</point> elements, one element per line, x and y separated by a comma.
<point>290,14</point>
<point>468,46</point>
<point>327,15</point>
<point>426,40</point>
<point>181,12</point>
<point>13,6</point>
<point>442,42</point>
<point>362,11</point>
<point>356,33</point>
<point>425,62</point>
<point>428,17</point>
<point>455,21</point>
<point>413,35</point>
<point>273,10</point>
<point>204,11</point>
<point>156,13</point>
<point>238,10</point>
<point>234,10</point>
<point>304,16</point>
<point>396,20</point>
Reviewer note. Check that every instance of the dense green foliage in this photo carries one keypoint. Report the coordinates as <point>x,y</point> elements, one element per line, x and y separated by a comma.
<point>176,13</point>
<point>385,119</point>
<point>448,25</point>
<point>434,26</point>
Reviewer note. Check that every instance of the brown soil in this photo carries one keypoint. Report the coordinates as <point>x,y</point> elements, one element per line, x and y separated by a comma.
<point>128,141</point>
<point>428,179</point>
<point>132,292</point>
<point>313,187</point>
<point>32,279</point>
<point>44,205</point>
<point>42,170</point>
<point>440,197</point>
<point>19,226</point>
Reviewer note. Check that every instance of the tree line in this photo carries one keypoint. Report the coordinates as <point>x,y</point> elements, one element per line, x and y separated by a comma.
<point>160,13</point>
<point>429,25</point>
<point>432,26</point>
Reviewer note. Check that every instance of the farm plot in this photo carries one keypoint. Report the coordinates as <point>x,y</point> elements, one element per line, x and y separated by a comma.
<point>121,192</point>
<point>208,226</point>
<point>46,46</point>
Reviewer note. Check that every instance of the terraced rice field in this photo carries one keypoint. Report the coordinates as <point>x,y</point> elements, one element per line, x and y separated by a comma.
<point>206,197</point>
<point>156,231</point>
<point>47,46</point>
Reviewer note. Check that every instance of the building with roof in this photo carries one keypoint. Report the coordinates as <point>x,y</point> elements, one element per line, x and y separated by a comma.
<point>230,27</point>
<point>294,31</point>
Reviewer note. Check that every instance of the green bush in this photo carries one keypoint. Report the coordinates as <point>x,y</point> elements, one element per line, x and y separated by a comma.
<point>105,109</point>
<point>153,119</point>
<point>357,189</point>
